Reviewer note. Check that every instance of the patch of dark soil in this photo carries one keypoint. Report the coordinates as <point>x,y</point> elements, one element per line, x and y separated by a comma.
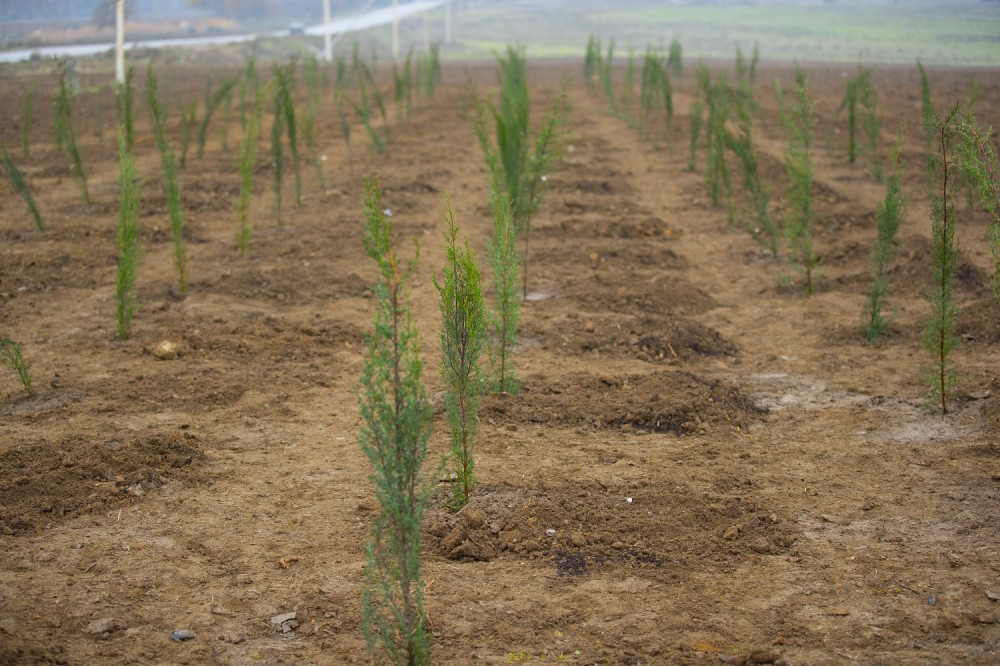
<point>610,253</point>
<point>635,293</point>
<point>589,527</point>
<point>667,401</point>
<point>47,481</point>
<point>610,222</point>
<point>910,271</point>
<point>979,322</point>
<point>648,338</point>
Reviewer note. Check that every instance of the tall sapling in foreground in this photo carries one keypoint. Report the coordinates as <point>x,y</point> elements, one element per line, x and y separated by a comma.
<point>462,335</point>
<point>128,239</point>
<point>396,427</point>
<point>939,333</point>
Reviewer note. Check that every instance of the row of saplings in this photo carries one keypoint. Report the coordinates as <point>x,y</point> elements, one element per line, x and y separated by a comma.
<point>959,155</point>
<point>394,409</point>
<point>353,86</point>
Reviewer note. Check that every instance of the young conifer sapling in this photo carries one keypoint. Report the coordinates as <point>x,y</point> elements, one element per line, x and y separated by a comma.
<point>463,332</point>
<point>10,355</point>
<point>396,426</point>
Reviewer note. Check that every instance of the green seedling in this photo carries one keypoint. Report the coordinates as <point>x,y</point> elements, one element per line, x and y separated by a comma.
<point>285,78</point>
<point>10,355</point>
<point>504,320</point>
<point>124,105</point>
<point>27,115</point>
<point>979,164</point>
<point>888,216</point>
<point>129,251</point>
<point>65,134</point>
<point>939,332</point>
<point>592,60</point>
<point>697,118</point>
<point>363,111</point>
<point>21,184</point>
<point>248,162</point>
<point>675,58</point>
<point>188,120</point>
<point>396,426</point>
<point>522,168</point>
<point>463,332</point>
<point>171,184</point>
<point>799,120</point>
<point>277,150</point>
<point>850,104</point>
<point>212,102</point>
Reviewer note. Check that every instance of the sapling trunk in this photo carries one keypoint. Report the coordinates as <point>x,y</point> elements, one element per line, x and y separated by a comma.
<point>462,335</point>
<point>396,427</point>
<point>799,120</point>
<point>10,355</point>
<point>129,250</point>
<point>21,184</point>
<point>939,333</point>
<point>888,216</point>
<point>171,184</point>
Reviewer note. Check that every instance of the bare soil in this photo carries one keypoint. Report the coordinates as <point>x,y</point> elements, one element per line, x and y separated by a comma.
<point>703,463</point>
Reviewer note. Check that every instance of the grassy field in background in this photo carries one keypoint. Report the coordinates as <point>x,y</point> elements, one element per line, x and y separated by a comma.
<point>966,35</point>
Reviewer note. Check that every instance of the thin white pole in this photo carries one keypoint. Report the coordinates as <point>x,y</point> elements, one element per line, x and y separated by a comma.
<point>120,41</point>
<point>395,28</point>
<point>327,38</point>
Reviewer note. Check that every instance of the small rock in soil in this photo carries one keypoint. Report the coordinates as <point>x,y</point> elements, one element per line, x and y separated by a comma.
<point>285,622</point>
<point>933,600</point>
<point>992,596</point>
<point>181,635</point>
<point>105,625</point>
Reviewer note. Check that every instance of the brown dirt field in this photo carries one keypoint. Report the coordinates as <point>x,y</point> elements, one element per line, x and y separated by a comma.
<point>793,499</point>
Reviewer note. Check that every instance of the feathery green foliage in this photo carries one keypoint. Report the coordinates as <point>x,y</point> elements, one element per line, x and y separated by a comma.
<point>655,90</point>
<point>852,95</point>
<point>403,88</point>
<point>927,114</point>
<point>979,164</point>
<point>188,120</point>
<point>502,248</point>
<point>799,120</point>
<point>129,250</point>
<point>939,332</point>
<point>629,89</point>
<point>719,101</point>
<point>871,125</point>
<point>396,427</point>
<point>27,115</point>
<point>171,184</point>
<point>431,76</point>
<point>345,126</point>
<point>592,60</point>
<point>277,150</point>
<point>462,336</point>
<point>21,184</point>
<point>10,355</point>
<point>364,113</point>
<point>605,74</point>
<point>522,167</point>
<point>675,58</point>
<point>888,216</point>
<point>65,134</point>
<point>285,79</point>
<point>311,77</point>
<point>212,102</point>
<point>761,225</point>
<point>248,161</point>
<point>697,119</point>
<point>125,107</point>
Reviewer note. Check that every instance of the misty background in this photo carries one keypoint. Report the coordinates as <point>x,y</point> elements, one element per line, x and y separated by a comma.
<point>955,32</point>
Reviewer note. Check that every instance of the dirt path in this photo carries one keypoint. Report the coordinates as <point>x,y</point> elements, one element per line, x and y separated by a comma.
<point>791,499</point>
